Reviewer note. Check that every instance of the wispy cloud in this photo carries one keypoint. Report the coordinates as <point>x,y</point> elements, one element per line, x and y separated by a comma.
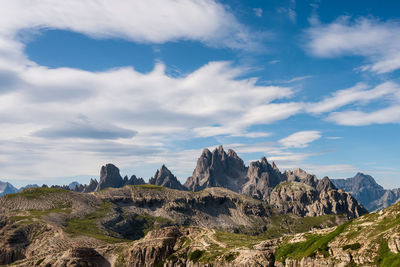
<point>289,11</point>
<point>300,139</point>
<point>360,93</point>
<point>274,61</point>
<point>334,137</point>
<point>151,22</point>
<point>258,12</point>
<point>378,41</point>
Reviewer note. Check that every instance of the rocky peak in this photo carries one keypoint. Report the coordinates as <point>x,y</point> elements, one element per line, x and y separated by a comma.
<point>261,178</point>
<point>109,177</point>
<point>134,181</point>
<point>365,189</point>
<point>164,177</point>
<point>91,187</point>
<point>217,169</point>
<point>325,184</point>
<point>299,175</point>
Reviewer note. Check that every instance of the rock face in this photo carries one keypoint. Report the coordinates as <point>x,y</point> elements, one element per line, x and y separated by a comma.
<point>109,177</point>
<point>213,207</point>
<point>292,192</point>
<point>365,189</point>
<point>154,248</point>
<point>217,169</point>
<point>91,187</point>
<point>304,200</point>
<point>82,256</point>
<point>133,180</point>
<point>262,177</point>
<point>164,177</point>
<point>7,188</point>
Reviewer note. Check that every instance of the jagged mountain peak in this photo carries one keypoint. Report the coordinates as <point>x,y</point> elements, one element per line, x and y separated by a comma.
<point>164,177</point>
<point>109,177</point>
<point>217,169</point>
<point>364,187</point>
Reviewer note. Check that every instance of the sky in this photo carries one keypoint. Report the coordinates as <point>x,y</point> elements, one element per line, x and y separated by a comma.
<point>308,84</point>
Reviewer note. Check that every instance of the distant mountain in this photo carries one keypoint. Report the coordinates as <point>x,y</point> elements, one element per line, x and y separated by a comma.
<point>72,185</point>
<point>28,186</point>
<point>7,188</point>
<point>370,194</point>
<point>164,177</point>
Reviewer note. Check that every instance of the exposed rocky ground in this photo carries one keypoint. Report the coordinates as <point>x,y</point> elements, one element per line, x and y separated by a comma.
<point>149,225</point>
<point>56,227</point>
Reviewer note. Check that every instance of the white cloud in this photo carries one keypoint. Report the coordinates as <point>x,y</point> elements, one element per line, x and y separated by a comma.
<point>358,118</point>
<point>300,139</point>
<point>377,41</point>
<point>359,93</point>
<point>141,113</point>
<point>258,12</point>
<point>356,98</point>
<point>295,79</point>
<point>274,61</point>
<point>63,117</point>
<point>289,11</point>
<point>149,21</point>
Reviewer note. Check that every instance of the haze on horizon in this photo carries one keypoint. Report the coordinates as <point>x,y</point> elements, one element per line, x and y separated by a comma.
<point>309,84</point>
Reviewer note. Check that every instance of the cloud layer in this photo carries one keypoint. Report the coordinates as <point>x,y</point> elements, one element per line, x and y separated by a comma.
<point>151,21</point>
<point>378,41</point>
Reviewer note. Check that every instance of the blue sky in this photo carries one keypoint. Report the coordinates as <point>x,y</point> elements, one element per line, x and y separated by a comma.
<point>309,84</point>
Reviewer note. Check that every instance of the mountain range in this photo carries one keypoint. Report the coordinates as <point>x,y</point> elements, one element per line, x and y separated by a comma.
<point>218,168</point>
<point>225,214</point>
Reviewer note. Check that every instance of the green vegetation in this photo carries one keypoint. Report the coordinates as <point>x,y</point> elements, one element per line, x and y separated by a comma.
<point>284,224</point>
<point>231,256</point>
<point>308,248</point>
<point>39,262</point>
<point>35,193</point>
<point>88,225</point>
<point>354,246</point>
<point>195,255</point>
<point>385,257</point>
<point>37,214</point>
<point>149,186</point>
<point>145,223</point>
<point>238,240</point>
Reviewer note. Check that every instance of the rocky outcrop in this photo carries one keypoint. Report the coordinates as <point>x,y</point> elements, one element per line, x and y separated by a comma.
<point>262,177</point>
<point>133,180</point>
<point>304,200</point>
<point>164,177</point>
<point>299,175</point>
<point>213,207</point>
<point>91,187</point>
<point>81,256</point>
<point>295,191</point>
<point>109,177</point>
<point>365,189</point>
<point>217,169</point>
<point>154,248</point>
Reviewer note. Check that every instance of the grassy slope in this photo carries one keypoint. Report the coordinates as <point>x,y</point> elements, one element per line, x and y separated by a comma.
<point>368,234</point>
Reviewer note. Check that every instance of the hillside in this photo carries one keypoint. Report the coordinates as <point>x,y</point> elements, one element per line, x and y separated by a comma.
<point>38,225</point>
<point>371,240</point>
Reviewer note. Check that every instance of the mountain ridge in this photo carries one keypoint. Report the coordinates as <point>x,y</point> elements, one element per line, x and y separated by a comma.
<point>365,189</point>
